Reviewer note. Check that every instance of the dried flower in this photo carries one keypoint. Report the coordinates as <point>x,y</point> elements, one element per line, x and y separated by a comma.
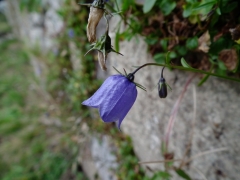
<point>235,32</point>
<point>94,17</point>
<point>204,42</point>
<point>230,58</point>
<point>114,98</point>
<point>102,60</point>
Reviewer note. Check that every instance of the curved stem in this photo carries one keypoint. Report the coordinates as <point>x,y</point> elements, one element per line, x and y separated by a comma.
<point>162,72</point>
<point>107,28</point>
<point>186,69</point>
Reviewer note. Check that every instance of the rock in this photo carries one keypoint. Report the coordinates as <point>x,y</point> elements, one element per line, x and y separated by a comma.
<point>37,29</point>
<point>215,125</point>
<point>98,159</point>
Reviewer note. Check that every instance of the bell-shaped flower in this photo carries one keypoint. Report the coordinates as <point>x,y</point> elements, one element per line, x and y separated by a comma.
<point>114,98</point>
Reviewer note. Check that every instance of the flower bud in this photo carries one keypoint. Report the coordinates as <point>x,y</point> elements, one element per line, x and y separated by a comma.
<point>162,86</point>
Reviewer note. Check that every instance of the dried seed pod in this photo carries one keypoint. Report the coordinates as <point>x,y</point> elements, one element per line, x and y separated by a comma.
<point>94,17</point>
<point>102,60</point>
<point>235,32</point>
<point>204,42</point>
<point>230,58</point>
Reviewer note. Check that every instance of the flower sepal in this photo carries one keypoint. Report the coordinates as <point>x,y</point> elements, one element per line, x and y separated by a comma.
<point>104,47</point>
<point>130,77</point>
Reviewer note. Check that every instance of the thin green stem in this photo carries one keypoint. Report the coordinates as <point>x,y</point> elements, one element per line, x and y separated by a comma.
<point>186,69</point>
<point>117,5</point>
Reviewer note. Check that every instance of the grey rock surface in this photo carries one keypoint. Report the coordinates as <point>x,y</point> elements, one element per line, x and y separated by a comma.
<point>215,127</point>
<point>98,159</point>
<point>37,29</point>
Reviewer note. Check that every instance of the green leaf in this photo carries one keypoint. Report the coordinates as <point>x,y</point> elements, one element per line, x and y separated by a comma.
<point>220,44</point>
<point>126,4</point>
<point>205,5</point>
<point>218,10</point>
<point>160,57</point>
<point>181,50</point>
<point>187,10</point>
<point>192,43</point>
<point>221,65</point>
<point>161,175</point>
<point>185,64</point>
<point>168,59</point>
<point>151,40</point>
<point>164,43</point>
<point>148,5</point>
<point>183,174</point>
<point>172,55</point>
<point>167,7</point>
<point>230,7</point>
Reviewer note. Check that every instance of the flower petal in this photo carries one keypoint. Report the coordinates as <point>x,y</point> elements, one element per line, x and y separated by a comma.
<point>104,91</point>
<point>122,106</point>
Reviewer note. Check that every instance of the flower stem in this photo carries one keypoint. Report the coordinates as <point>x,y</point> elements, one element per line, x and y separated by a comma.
<point>186,69</point>
<point>162,71</point>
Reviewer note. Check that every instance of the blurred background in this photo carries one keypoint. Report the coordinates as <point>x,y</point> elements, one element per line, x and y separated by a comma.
<point>45,132</point>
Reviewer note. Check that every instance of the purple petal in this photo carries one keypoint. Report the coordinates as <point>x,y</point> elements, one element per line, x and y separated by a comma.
<point>114,98</point>
<point>104,91</point>
<point>121,106</point>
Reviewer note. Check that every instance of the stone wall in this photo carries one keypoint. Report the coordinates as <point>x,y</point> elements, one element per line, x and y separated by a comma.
<point>208,120</point>
<point>37,29</point>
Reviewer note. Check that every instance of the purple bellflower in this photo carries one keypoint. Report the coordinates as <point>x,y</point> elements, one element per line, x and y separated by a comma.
<point>114,98</point>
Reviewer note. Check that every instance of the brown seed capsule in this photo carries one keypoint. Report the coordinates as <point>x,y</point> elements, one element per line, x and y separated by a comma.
<point>102,60</point>
<point>230,58</point>
<point>94,17</point>
<point>235,32</point>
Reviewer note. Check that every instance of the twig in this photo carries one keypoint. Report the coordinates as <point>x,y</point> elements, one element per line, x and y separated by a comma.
<point>205,153</point>
<point>159,161</point>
